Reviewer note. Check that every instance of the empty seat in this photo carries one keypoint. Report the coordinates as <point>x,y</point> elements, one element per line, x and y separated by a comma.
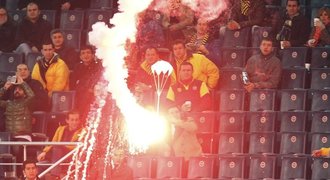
<point>261,121</point>
<point>17,15</point>
<point>231,100</point>
<point>237,38</point>
<point>169,167</point>
<point>320,122</point>
<point>231,121</point>
<point>201,167</point>
<point>319,3</point>
<point>258,33</point>
<point>72,19</point>
<point>320,57</point>
<point>31,59</point>
<point>72,37</point>
<point>40,125</point>
<point>233,57</point>
<point>97,15</point>
<point>49,15</point>
<point>262,167</point>
<point>320,100</point>
<point>293,142</point>
<point>293,121</point>
<point>97,4</point>
<point>141,166</point>
<point>53,121</point>
<point>262,99</point>
<point>320,78</point>
<point>231,167</point>
<point>293,167</point>
<point>293,99</point>
<point>231,78</point>
<point>293,78</point>
<point>321,168</point>
<point>9,61</point>
<point>320,140</point>
<point>230,143</point>
<point>63,101</point>
<point>294,57</point>
<point>204,120</point>
<point>261,142</point>
<point>4,75</point>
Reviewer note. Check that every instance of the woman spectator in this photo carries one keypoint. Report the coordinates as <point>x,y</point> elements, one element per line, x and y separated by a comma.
<point>320,35</point>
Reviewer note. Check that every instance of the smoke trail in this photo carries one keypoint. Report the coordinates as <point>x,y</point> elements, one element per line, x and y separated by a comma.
<point>143,127</point>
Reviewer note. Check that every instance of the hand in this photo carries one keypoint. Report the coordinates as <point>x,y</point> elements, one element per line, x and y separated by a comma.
<point>203,49</point>
<point>249,87</point>
<point>34,49</point>
<point>41,156</point>
<point>316,153</point>
<point>66,6</point>
<point>311,43</point>
<point>319,24</point>
<point>233,25</point>
<point>7,85</point>
<point>19,79</point>
<point>286,44</point>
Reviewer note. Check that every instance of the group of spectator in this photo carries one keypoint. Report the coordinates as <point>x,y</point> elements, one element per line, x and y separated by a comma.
<point>193,53</point>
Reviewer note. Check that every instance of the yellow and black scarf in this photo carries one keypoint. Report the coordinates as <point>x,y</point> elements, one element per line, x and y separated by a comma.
<point>245,6</point>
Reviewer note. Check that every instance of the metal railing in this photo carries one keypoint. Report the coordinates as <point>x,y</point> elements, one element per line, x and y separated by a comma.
<point>25,144</point>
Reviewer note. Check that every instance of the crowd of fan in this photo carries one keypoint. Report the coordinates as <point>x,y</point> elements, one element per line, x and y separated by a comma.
<point>193,42</point>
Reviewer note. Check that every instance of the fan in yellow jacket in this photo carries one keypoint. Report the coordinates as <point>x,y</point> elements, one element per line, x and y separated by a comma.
<point>51,71</point>
<point>67,133</point>
<point>323,152</point>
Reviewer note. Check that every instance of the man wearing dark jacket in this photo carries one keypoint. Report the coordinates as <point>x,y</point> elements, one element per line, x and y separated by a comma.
<point>40,102</point>
<point>32,31</point>
<point>7,32</point>
<point>294,29</point>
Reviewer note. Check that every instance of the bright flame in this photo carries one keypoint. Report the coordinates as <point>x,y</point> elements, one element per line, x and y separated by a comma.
<point>144,127</point>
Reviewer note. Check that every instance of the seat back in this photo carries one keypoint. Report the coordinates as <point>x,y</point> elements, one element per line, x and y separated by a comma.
<point>40,125</point>
<point>320,100</point>
<point>261,142</point>
<point>72,19</point>
<point>72,37</point>
<point>9,61</point>
<point>231,100</point>
<point>5,136</point>
<point>141,166</point>
<point>231,166</point>
<point>262,99</point>
<point>237,38</point>
<point>320,140</point>
<point>169,167</point>
<point>293,121</point>
<point>230,143</point>
<point>293,142</point>
<point>258,33</point>
<point>63,101</point>
<point>261,121</point>
<point>320,57</point>
<point>293,99</point>
<point>320,78</point>
<point>321,168</point>
<point>205,121</point>
<point>32,58</point>
<point>97,4</point>
<point>293,78</point>
<point>97,15</point>
<point>320,122</point>
<point>17,15</point>
<point>49,15</point>
<point>262,167</point>
<point>231,78</point>
<point>201,167</point>
<point>294,57</point>
<point>233,57</point>
<point>231,121</point>
<point>293,167</point>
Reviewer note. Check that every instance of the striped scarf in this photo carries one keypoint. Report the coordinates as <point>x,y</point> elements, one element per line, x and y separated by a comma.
<point>146,67</point>
<point>203,41</point>
<point>245,6</point>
